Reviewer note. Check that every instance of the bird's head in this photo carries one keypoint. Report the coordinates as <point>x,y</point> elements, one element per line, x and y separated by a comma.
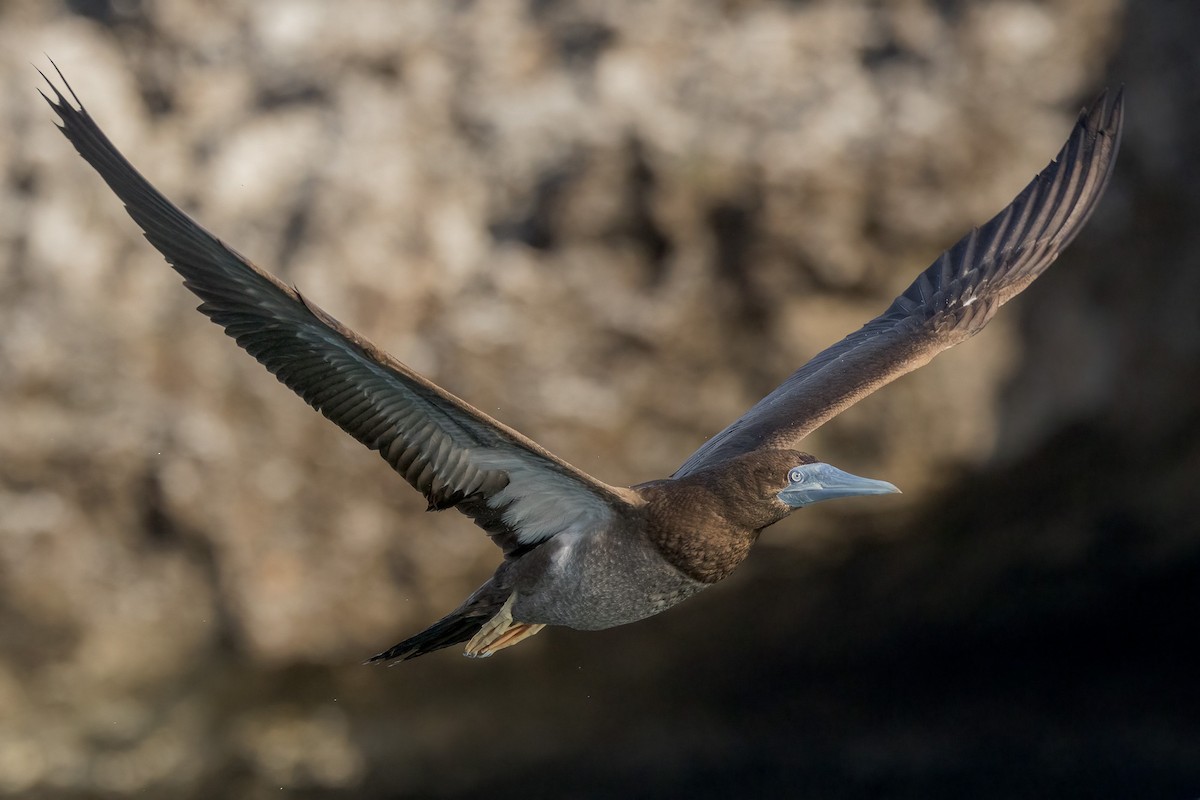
<point>807,480</point>
<point>760,488</point>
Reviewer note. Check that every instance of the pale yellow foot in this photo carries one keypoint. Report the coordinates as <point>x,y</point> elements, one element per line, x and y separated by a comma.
<point>519,632</point>
<point>499,632</point>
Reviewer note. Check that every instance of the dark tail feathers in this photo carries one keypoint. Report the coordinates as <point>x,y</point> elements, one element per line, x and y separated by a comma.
<point>450,630</point>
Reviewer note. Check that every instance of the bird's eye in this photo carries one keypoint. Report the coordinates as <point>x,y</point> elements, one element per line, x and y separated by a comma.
<point>796,475</point>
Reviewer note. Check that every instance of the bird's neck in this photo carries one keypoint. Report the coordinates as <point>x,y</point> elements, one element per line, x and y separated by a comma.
<point>688,526</point>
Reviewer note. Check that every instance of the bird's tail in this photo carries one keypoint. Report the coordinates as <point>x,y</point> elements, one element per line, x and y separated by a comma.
<point>459,625</point>
<point>449,630</point>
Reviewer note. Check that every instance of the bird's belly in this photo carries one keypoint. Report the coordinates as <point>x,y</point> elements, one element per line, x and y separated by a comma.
<point>588,583</point>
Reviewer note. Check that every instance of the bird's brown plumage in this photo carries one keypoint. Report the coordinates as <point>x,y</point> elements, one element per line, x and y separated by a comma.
<point>577,551</point>
<point>704,524</point>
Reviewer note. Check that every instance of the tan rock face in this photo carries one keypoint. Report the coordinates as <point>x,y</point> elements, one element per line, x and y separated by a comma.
<point>611,225</point>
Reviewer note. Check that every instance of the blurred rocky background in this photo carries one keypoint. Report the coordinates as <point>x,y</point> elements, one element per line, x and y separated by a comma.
<point>613,225</point>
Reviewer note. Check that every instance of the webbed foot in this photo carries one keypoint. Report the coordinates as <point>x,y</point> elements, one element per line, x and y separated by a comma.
<point>499,632</point>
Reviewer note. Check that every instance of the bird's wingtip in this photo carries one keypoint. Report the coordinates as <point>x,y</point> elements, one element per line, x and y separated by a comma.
<point>1106,112</point>
<point>61,101</point>
<point>1116,112</point>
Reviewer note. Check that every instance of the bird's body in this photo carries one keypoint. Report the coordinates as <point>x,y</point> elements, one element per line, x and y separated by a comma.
<point>674,539</point>
<point>577,551</point>
<point>596,580</point>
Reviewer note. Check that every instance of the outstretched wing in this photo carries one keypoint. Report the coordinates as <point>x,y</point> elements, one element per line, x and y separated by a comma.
<point>950,301</point>
<point>452,453</point>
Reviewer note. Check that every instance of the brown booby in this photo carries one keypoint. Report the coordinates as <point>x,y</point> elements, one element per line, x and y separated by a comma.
<point>578,552</point>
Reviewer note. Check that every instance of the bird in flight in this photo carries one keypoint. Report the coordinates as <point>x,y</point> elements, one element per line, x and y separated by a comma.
<point>577,551</point>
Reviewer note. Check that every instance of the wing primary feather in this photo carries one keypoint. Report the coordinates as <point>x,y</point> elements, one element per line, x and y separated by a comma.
<point>437,442</point>
<point>951,300</point>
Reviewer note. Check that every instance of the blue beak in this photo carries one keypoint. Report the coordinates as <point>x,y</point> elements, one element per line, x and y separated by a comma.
<point>812,483</point>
